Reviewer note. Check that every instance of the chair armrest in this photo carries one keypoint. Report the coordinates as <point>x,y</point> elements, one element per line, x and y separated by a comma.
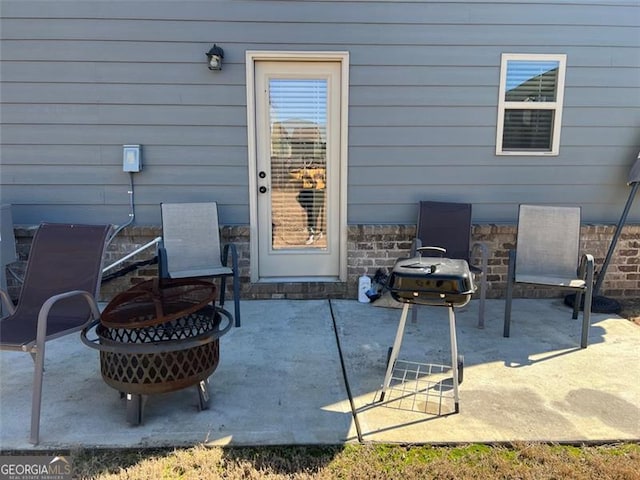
<point>230,248</point>
<point>484,254</point>
<point>586,269</point>
<point>163,267</point>
<point>43,315</point>
<point>7,303</point>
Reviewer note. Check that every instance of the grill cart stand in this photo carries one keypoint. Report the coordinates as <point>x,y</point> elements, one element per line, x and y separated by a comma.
<point>402,371</point>
<point>432,281</point>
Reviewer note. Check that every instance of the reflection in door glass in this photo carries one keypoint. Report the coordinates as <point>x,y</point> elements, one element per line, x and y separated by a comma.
<point>298,120</point>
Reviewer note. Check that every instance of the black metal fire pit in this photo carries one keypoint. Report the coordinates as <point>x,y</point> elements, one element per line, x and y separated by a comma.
<point>158,337</point>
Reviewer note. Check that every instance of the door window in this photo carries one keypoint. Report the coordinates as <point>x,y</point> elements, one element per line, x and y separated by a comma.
<point>298,122</point>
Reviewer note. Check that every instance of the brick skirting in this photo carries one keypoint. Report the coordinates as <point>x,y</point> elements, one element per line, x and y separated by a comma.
<point>371,247</point>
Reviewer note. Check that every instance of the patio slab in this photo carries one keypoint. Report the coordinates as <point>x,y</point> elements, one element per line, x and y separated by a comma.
<point>280,381</point>
<point>537,385</point>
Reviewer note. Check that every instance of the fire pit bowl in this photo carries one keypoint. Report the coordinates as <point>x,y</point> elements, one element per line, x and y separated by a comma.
<point>158,337</point>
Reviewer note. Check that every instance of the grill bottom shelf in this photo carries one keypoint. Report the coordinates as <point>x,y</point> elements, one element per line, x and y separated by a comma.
<point>422,387</point>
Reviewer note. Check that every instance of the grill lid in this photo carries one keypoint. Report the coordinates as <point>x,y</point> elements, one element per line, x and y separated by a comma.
<point>431,281</point>
<point>157,301</point>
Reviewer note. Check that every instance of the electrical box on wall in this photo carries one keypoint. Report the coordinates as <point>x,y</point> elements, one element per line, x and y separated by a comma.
<point>131,158</point>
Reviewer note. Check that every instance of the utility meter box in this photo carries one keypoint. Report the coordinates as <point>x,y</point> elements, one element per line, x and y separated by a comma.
<point>131,158</point>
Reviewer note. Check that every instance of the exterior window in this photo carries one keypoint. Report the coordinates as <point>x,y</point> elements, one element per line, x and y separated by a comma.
<point>530,104</point>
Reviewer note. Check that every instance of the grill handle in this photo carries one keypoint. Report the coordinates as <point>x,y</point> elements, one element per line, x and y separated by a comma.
<point>440,250</point>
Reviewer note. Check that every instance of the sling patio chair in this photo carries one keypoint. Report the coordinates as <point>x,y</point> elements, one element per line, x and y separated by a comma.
<point>191,244</point>
<point>547,254</point>
<point>448,225</point>
<point>58,296</point>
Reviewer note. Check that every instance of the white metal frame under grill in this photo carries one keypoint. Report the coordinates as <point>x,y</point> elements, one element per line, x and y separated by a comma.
<point>406,383</point>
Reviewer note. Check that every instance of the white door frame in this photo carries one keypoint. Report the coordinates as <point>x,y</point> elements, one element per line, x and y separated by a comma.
<point>289,56</point>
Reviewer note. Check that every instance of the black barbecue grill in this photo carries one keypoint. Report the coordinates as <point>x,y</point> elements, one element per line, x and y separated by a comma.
<point>435,281</point>
<point>431,280</point>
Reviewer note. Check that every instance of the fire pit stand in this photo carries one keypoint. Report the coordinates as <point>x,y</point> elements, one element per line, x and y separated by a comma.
<point>158,337</point>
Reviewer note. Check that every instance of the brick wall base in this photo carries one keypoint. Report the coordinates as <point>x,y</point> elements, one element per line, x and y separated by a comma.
<point>371,247</point>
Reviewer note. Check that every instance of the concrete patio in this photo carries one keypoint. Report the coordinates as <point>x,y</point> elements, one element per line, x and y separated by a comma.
<point>281,381</point>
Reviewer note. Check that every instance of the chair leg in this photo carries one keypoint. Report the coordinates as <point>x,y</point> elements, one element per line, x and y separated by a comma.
<point>223,290</point>
<point>483,297</point>
<point>588,300</point>
<point>236,298</point>
<point>36,400</point>
<point>414,313</point>
<point>576,305</point>
<point>510,281</point>
<point>483,285</point>
<point>586,319</point>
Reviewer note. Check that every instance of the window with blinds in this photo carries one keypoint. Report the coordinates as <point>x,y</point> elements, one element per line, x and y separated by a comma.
<point>530,104</point>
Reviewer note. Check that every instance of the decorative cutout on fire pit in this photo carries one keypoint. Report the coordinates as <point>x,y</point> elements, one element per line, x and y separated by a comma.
<point>161,371</point>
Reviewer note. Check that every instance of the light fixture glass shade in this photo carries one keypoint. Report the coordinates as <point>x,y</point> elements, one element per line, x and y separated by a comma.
<point>214,57</point>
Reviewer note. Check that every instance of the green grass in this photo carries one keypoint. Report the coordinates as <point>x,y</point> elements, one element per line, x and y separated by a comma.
<point>366,462</point>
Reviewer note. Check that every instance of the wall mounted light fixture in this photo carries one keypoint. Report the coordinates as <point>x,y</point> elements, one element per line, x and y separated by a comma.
<point>214,57</point>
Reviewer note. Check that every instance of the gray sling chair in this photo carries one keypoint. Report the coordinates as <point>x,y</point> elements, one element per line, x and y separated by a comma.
<point>58,296</point>
<point>547,254</point>
<point>191,247</point>
<point>448,225</point>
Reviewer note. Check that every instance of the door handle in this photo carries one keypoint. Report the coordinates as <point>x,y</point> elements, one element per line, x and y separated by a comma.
<point>262,174</point>
<point>262,189</point>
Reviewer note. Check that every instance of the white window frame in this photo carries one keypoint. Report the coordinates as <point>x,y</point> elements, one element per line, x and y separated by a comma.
<point>556,106</point>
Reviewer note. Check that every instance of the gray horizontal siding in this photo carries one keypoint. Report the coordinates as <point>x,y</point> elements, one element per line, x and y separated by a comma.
<point>483,211</point>
<point>124,94</point>
<point>171,155</point>
<point>460,156</point>
<point>33,214</point>
<point>119,134</point>
<point>392,177</point>
<point>89,176</point>
<point>94,196</point>
<point>232,95</point>
<point>328,33</point>
<point>504,12</point>
<point>483,96</point>
<point>481,136</point>
<point>360,116</point>
<point>170,53</point>
<point>230,136</point>
<point>79,79</point>
<point>195,115</point>
<point>488,176</point>
<point>428,116</point>
<point>361,75</point>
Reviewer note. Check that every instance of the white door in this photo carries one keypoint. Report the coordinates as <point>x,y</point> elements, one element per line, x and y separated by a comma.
<point>298,169</point>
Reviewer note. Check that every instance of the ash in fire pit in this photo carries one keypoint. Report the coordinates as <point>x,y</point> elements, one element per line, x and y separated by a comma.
<point>158,337</point>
